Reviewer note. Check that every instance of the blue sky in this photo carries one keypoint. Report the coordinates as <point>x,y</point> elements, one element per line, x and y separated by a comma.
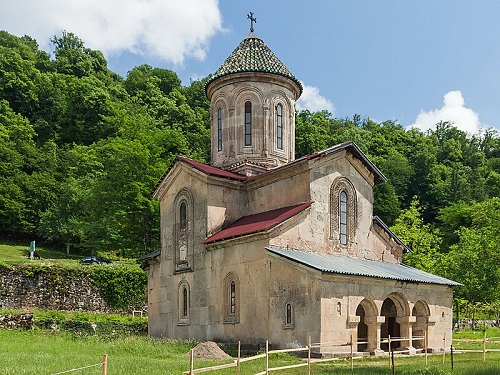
<point>415,62</point>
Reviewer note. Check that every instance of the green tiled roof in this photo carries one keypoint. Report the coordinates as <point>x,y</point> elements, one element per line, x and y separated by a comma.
<point>252,55</point>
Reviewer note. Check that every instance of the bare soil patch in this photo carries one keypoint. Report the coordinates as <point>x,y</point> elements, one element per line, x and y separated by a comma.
<point>209,350</point>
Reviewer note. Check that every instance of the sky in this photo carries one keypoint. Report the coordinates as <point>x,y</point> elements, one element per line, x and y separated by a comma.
<point>413,62</point>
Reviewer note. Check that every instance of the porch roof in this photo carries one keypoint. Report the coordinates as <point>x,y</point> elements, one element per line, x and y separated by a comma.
<point>257,222</point>
<point>361,267</point>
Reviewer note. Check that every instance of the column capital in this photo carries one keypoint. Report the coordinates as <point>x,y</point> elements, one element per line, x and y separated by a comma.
<point>375,319</point>
<point>353,320</point>
<point>406,319</point>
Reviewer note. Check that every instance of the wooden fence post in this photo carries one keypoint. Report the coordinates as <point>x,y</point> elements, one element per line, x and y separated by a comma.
<point>389,347</point>
<point>426,344</point>
<point>104,364</point>
<point>191,362</point>
<point>352,353</point>
<point>444,347</point>
<point>451,355</point>
<point>309,355</point>
<point>392,361</point>
<point>267,357</point>
<point>484,345</point>
<point>239,356</point>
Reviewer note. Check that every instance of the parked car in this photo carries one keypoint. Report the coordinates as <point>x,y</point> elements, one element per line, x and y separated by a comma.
<point>94,260</point>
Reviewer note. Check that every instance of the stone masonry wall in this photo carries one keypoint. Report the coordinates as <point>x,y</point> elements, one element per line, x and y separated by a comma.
<point>53,289</point>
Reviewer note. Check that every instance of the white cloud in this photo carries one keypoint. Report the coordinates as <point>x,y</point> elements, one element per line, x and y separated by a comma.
<point>313,101</point>
<point>454,111</point>
<point>171,30</point>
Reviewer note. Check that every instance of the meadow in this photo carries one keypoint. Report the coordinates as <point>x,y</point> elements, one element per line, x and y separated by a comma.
<point>45,352</point>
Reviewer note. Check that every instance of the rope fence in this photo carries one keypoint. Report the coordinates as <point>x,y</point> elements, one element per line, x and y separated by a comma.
<point>104,365</point>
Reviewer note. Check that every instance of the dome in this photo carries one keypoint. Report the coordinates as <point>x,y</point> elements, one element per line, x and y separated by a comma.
<point>252,55</point>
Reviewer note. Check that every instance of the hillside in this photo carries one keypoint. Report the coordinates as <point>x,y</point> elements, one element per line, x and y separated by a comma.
<point>82,149</point>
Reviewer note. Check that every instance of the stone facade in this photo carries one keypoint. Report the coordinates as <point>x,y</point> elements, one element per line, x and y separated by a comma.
<point>256,247</point>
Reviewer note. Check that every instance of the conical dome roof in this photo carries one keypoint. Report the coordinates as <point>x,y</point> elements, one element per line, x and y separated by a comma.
<point>252,55</point>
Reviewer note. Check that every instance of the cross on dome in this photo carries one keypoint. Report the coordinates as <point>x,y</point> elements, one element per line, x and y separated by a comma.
<point>252,20</point>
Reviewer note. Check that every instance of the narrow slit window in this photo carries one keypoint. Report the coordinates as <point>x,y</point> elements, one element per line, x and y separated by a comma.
<point>232,298</point>
<point>288,319</point>
<point>248,123</point>
<point>183,216</point>
<point>279,126</point>
<point>182,235</point>
<point>184,302</point>
<point>343,218</point>
<point>219,129</point>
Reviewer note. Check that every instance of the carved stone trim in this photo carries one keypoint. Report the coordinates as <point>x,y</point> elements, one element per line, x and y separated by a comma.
<point>183,238</point>
<point>339,185</point>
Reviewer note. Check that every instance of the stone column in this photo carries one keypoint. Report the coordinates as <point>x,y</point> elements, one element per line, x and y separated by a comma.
<point>374,323</point>
<point>266,129</point>
<point>352,322</point>
<point>434,344</point>
<point>406,329</point>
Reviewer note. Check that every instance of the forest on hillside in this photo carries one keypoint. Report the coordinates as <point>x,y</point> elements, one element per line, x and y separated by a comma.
<point>81,149</point>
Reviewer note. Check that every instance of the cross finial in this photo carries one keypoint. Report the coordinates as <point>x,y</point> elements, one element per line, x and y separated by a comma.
<point>252,20</point>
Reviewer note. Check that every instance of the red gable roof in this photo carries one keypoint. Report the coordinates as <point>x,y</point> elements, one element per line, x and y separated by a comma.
<point>213,171</point>
<point>257,222</point>
<point>356,151</point>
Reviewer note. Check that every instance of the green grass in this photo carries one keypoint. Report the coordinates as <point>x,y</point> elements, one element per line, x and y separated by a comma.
<point>43,352</point>
<point>16,253</point>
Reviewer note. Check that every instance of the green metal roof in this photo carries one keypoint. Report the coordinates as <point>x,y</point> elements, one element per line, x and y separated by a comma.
<point>252,55</point>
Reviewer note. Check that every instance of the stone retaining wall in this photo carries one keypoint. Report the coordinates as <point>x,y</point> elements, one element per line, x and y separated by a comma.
<point>17,321</point>
<point>465,324</point>
<point>54,289</point>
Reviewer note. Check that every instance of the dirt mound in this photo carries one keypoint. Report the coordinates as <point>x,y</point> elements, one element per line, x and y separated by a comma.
<point>209,350</point>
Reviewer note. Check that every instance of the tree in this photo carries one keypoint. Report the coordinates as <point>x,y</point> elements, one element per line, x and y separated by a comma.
<point>422,239</point>
<point>74,59</point>
<point>64,220</point>
<point>386,204</point>
<point>474,260</point>
<point>16,143</point>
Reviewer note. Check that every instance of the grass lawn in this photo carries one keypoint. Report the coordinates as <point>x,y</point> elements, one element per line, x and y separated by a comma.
<point>17,253</point>
<point>12,253</point>
<point>43,352</point>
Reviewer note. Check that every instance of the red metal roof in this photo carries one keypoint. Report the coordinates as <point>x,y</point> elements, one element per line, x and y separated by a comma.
<point>356,151</point>
<point>257,222</point>
<point>213,171</point>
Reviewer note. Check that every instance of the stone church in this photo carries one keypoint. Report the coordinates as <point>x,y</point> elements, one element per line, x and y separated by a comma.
<point>262,246</point>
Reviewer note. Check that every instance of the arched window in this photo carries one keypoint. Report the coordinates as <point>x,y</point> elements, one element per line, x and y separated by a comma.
<point>231,299</point>
<point>289,321</point>
<point>183,231</point>
<point>248,123</point>
<point>343,211</point>
<point>279,126</point>
<point>343,218</point>
<point>219,129</point>
<point>183,303</point>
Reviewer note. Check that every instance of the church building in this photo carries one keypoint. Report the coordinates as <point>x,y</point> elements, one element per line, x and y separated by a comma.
<point>261,246</point>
